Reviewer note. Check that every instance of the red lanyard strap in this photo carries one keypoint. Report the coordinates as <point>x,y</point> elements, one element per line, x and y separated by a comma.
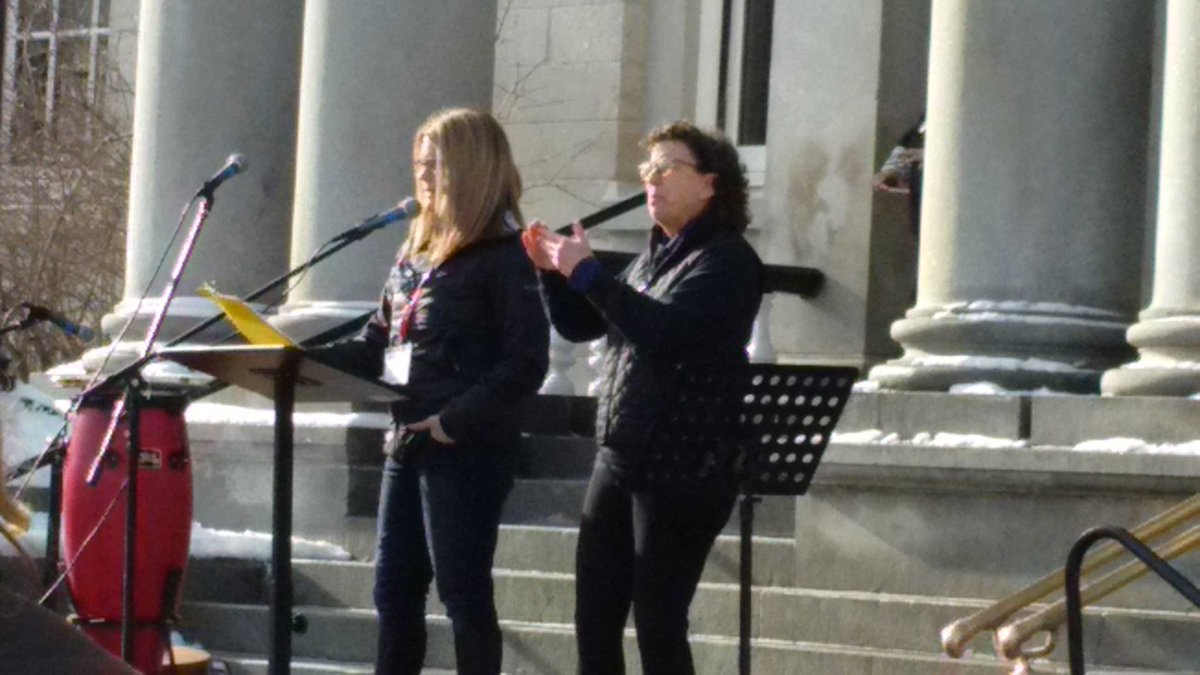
<point>410,310</point>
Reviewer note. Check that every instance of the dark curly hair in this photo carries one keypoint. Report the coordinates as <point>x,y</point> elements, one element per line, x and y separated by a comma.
<point>716,155</point>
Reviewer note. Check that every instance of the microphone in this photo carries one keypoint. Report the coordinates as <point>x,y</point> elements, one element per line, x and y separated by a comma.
<point>39,313</point>
<point>235,164</point>
<point>407,208</point>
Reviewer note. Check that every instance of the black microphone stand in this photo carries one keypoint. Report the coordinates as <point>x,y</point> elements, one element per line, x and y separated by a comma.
<point>130,379</point>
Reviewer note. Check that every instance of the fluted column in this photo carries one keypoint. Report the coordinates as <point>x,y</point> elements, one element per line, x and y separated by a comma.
<point>213,78</point>
<point>372,71</point>
<point>1033,216</point>
<point>1168,334</point>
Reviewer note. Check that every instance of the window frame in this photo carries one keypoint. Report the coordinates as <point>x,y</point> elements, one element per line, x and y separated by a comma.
<point>719,80</point>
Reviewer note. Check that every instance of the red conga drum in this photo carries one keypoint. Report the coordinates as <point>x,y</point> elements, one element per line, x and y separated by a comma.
<point>164,522</point>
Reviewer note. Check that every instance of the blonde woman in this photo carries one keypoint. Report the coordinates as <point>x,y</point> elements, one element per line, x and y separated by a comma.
<point>461,326</point>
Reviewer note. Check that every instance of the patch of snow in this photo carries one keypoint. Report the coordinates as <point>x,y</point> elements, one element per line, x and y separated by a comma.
<point>206,542</point>
<point>865,387</point>
<point>1115,445</point>
<point>857,437</point>
<point>940,439</point>
<point>212,543</point>
<point>978,388</point>
<point>945,439</point>
<point>219,413</point>
<point>1003,317</point>
<point>1058,308</point>
<point>1120,445</point>
<point>994,363</point>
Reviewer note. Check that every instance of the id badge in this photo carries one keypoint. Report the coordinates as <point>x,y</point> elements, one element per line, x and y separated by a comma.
<point>396,363</point>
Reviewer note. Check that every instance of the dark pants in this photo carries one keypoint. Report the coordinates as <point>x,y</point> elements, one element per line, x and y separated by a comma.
<point>439,515</point>
<point>646,548</point>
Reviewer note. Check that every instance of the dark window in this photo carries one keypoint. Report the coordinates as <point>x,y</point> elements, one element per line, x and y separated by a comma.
<point>752,67</point>
<point>756,72</point>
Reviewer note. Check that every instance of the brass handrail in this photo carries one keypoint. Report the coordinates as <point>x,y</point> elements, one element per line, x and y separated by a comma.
<point>1011,638</point>
<point>956,635</point>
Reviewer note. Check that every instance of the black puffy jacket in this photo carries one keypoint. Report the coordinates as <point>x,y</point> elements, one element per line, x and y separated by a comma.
<point>691,303</point>
<point>480,339</point>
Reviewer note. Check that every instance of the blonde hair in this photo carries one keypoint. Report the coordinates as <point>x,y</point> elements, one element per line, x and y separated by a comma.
<point>477,183</point>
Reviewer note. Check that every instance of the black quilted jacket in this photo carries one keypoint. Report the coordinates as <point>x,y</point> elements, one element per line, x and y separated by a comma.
<point>691,303</point>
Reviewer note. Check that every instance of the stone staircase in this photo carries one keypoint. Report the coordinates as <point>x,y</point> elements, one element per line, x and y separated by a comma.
<point>876,607</point>
<point>797,630</point>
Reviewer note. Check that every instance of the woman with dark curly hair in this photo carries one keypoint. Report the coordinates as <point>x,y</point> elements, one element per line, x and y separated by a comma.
<point>689,299</point>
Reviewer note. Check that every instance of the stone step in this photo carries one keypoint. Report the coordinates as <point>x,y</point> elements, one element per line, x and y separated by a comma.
<point>254,664</point>
<point>225,499</point>
<point>527,548</point>
<point>549,648</point>
<point>552,549</point>
<point>874,620</point>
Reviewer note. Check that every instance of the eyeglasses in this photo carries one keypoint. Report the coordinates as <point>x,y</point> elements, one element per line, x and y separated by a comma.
<point>424,165</point>
<point>661,167</point>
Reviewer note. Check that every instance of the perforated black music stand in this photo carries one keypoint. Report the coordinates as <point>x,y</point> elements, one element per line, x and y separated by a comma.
<point>766,426</point>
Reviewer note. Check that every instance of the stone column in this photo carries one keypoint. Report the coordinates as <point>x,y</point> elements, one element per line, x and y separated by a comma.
<point>1168,334</point>
<point>373,70</point>
<point>1034,214</point>
<point>213,78</point>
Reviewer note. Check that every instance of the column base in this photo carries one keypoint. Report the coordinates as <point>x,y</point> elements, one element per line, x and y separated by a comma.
<point>185,312</point>
<point>303,320</point>
<point>939,373</point>
<point>1016,345</point>
<point>1168,361</point>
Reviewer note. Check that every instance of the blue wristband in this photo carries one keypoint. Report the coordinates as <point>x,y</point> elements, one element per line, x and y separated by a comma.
<point>584,275</point>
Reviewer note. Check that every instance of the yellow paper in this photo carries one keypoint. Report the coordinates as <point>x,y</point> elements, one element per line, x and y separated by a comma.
<point>248,322</point>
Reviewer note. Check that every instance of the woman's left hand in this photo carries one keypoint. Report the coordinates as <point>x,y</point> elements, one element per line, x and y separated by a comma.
<point>432,424</point>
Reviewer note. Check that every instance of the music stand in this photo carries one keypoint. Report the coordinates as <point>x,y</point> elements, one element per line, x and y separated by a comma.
<point>289,375</point>
<point>765,425</point>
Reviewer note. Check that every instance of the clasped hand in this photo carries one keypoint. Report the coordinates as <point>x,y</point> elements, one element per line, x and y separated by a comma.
<point>554,252</point>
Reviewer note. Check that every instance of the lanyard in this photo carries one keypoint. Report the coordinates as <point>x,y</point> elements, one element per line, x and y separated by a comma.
<point>410,310</point>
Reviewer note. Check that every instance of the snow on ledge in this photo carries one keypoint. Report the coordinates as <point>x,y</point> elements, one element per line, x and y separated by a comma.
<point>220,413</point>
<point>938,439</point>
<point>206,542</point>
<point>942,439</point>
<point>1135,446</point>
<point>1058,308</point>
<point>994,363</point>
<point>212,543</point>
<point>1004,317</point>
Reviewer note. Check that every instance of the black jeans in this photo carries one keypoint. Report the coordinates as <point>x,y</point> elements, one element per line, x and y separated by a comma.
<point>439,516</point>
<point>646,548</point>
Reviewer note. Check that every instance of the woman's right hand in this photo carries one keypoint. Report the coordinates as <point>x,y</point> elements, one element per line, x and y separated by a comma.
<point>532,239</point>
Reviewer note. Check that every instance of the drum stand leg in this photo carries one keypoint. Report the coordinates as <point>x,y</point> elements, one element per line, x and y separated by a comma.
<point>53,522</point>
<point>133,452</point>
